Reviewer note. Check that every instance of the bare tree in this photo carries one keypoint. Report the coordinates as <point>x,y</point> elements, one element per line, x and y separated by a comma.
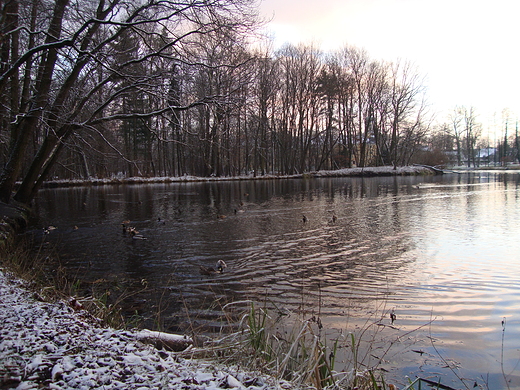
<point>504,150</point>
<point>405,99</point>
<point>299,67</point>
<point>59,50</point>
<point>472,133</point>
<point>456,130</point>
<point>328,88</point>
<point>368,106</point>
<point>262,110</point>
<point>517,143</point>
<point>356,61</point>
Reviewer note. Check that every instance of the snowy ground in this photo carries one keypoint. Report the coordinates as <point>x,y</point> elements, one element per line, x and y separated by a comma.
<point>52,346</point>
<point>368,171</point>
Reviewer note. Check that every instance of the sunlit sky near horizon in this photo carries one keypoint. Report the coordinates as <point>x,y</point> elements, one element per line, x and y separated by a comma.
<point>468,51</point>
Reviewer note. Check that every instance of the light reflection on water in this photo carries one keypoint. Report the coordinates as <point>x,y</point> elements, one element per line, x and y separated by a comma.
<point>443,248</point>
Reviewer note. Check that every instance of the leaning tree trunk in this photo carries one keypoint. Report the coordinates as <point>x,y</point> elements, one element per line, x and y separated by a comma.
<point>39,169</point>
<point>28,125</point>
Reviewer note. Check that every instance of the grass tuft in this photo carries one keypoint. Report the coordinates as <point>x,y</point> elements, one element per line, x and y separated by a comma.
<point>51,283</point>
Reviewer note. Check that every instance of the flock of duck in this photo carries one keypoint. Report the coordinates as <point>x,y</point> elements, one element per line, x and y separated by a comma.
<point>221,265</point>
<point>134,233</point>
<point>334,218</point>
<point>204,270</point>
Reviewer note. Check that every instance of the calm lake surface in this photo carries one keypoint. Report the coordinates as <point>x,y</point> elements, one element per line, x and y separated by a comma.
<point>441,252</point>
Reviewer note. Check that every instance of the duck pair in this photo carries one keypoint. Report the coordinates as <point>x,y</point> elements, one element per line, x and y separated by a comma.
<point>134,233</point>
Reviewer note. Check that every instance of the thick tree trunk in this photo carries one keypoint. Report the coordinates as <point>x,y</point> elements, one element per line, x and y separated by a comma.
<point>16,158</point>
<point>28,124</point>
<point>39,169</point>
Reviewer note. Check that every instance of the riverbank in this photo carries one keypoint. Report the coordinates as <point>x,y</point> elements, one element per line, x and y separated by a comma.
<point>346,172</point>
<point>13,218</point>
<point>56,345</point>
<point>53,343</point>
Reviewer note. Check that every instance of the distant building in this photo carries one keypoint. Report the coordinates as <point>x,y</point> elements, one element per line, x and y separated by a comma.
<point>487,155</point>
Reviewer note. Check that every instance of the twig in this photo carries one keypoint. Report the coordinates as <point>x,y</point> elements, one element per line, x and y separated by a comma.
<point>445,362</point>
<point>502,352</point>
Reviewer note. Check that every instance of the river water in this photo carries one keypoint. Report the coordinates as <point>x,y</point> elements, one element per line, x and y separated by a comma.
<point>440,252</point>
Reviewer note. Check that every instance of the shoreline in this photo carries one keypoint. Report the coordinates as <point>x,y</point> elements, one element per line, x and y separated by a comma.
<point>15,217</point>
<point>414,170</point>
<point>56,345</point>
<point>346,172</point>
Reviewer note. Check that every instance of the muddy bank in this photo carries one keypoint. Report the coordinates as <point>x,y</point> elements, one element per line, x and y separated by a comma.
<point>14,218</point>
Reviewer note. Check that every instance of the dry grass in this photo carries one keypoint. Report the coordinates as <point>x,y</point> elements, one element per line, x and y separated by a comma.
<point>299,353</point>
<point>41,271</point>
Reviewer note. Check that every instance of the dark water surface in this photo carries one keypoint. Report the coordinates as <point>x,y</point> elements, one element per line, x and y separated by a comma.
<point>442,252</point>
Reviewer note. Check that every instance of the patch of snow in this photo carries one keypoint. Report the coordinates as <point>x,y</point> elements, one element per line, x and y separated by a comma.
<point>368,171</point>
<point>51,345</point>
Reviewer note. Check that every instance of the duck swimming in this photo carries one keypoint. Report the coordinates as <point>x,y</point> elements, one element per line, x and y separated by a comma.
<point>132,231</point>
<point>129,229</point>
<point>126,226</point>
<point>212,271</point>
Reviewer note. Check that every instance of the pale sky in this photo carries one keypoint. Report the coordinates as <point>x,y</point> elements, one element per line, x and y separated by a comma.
<point>468,50</point>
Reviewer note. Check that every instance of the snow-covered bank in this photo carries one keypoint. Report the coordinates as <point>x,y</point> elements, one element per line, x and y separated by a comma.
<point>50,345</point>
<point>346,172</point>
<point>377,171</point>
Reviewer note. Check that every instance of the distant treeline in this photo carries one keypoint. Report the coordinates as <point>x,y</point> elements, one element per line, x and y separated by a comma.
<point>101,89</point>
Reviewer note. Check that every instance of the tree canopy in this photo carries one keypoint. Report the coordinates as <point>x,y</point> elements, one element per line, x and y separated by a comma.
<point>98,88</point>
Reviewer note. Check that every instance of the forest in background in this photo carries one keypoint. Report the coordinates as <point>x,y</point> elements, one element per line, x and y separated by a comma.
<point>114,88</point>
